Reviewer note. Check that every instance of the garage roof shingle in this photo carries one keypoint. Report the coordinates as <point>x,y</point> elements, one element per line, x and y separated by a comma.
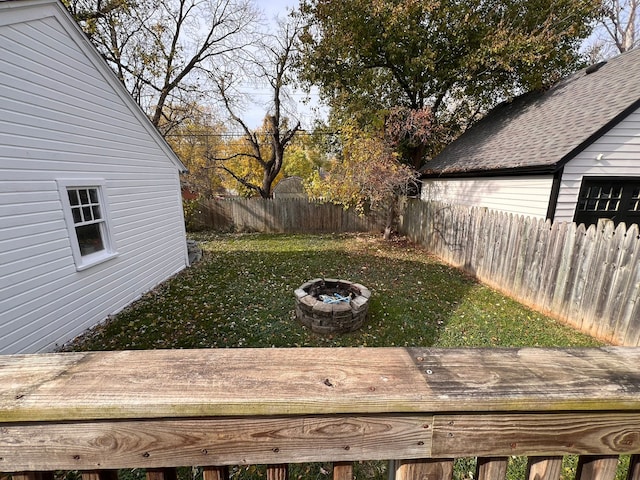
<point>540,131</point>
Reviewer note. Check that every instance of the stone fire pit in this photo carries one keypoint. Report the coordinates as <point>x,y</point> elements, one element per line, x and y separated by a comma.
<point>326,305</point>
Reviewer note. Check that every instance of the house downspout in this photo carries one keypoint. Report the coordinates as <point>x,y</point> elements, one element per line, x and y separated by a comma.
<point>555,191</point>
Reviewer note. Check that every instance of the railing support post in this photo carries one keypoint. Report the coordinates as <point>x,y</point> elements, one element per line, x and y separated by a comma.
<point>100,475</point>
<point>215,473</point>
<point>601,467</point>
<point>277,472</point>
<point>342,471</point>
<point>491,468</point>
<point>544,468</point>
<point>33,476</point>
<point>425,469</point>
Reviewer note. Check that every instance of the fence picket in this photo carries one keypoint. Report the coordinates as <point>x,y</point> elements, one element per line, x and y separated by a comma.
<point>589,278</point>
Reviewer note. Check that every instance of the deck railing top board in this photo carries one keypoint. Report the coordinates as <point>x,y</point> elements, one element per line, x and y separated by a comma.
<point>314,381</point>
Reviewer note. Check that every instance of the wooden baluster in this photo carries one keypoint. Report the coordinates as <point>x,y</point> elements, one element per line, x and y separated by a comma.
<point>342,471</point>
<point>160,474</point>
<point>215,473</point>
<point>544,468</point>
<point>277,472</point>
<point>634,468</point>
<point>492,468</point>
<point>100,475</point>
<point>596,467</point>
<point>426,469</point>
<point>32,476</point>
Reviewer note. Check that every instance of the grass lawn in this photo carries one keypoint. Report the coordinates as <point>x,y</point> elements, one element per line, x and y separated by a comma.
<point>241,295</point>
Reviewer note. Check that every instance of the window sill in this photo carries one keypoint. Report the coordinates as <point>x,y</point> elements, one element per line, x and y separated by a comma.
<point>93,259</point>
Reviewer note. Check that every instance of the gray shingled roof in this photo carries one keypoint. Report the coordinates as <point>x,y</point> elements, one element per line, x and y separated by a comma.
<point>540,131</point>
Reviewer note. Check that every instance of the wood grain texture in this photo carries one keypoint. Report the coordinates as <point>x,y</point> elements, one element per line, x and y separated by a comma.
<point>217,382</point>
<point>307,381</point>
<point>215,473</point>
<point>277,472</point>
<point>160,474</point>
<point>224,441</point>
<point>343,471</point>
<point>425,469</point>
<point>491,468</point>
<point>531,379</point>
<point>544,468</point>
<point>536,434</point>
<point>596,467</point>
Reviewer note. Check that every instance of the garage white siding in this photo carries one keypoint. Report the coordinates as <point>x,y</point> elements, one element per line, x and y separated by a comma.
<point>63,115</point>
<point>526,195</point>
<point>620,150</point>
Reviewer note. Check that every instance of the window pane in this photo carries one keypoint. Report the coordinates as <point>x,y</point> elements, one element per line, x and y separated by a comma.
<point>93,195</point>
<point>73,197</point>
<point>84,196</point>
<point>635,200</point>
<point>89,238</point>
<point>95,210</point>
<point>77,215</point>
<point>86,213</point>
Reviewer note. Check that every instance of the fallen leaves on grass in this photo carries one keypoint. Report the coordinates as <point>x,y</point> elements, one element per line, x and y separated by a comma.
<point>241,295</point>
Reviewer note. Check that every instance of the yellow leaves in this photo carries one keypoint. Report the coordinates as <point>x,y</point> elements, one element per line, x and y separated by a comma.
<point>368,174</point>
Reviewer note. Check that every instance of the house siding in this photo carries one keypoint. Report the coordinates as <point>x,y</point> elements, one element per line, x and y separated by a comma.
<point>63,115</point>
<point>620,148</point>
<point>526,195</point>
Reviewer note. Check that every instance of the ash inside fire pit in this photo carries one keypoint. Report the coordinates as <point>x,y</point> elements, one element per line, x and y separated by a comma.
<point>327,305</point>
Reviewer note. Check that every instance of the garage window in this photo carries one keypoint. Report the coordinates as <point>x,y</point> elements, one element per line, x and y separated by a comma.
<point>614,198</point>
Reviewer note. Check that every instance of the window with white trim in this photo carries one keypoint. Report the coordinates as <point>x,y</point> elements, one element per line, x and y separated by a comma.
<point>87,219</point>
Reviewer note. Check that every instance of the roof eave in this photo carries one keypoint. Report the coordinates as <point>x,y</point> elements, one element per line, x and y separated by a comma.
<point>495,172</point>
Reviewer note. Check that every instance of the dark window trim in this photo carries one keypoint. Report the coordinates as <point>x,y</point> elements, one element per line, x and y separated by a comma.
<point>618,216</point>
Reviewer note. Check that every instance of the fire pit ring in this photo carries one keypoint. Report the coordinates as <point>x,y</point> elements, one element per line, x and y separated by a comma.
<point>327,305</point>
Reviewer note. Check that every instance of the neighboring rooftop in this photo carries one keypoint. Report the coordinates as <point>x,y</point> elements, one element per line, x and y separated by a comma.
<point>540,131</point>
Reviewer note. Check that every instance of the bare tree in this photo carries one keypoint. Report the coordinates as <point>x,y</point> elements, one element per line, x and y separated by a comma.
<point>618,29</point>
<point>159,48</point>
<point>271,63</point>
<point>621,22</point>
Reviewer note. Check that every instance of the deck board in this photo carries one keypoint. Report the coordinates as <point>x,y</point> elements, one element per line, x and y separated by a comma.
<point>314,381</point>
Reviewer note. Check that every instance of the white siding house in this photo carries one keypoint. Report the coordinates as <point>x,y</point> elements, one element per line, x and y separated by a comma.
<point>569,153</point>
<point>90,206</point>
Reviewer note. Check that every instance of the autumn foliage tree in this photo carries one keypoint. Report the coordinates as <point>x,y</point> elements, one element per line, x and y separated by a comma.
<point>194,141</point>
<point>366,175</point>
<point>455,58</point>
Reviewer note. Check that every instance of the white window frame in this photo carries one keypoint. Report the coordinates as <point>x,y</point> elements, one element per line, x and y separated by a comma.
<point>106,229</point>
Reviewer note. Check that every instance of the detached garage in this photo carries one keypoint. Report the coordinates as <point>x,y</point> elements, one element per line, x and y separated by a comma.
<point>569,153</point>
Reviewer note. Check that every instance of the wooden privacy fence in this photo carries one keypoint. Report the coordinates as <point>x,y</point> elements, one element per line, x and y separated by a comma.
<point>589,278</point>
<point>101,411</point>
<point>286,215</point>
